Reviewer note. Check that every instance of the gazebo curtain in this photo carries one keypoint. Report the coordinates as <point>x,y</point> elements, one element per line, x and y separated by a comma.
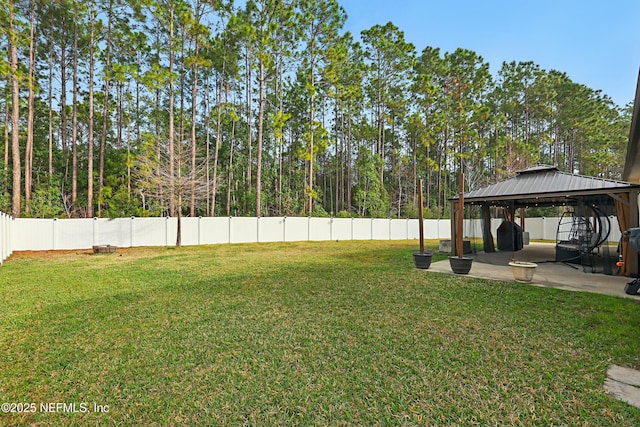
<point>623,214</point>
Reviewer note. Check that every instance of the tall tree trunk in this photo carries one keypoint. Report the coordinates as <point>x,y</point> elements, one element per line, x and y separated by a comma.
<point>50,96</point>
<point>349,163</point>
<point>194,95</point>
<point>105,112</point>
<point>91,118</point>
<point>230,172</point>
<point>7,143</point>
<point>63,110</point>
<point>261,101</point>
<point>279,140</point>
<point>311,132</point>
<point>380,123</point>
<point>15,114</point>
<point>28,153</point>
<point>129,160</point>
<point>179,230</point>
<point>120,114</point>
<point>216,151</point>
<point>428,172</point>
<point>159,145</point>
<point>172,207</point>
<point>181,123</point>
<point>337,161</point>
<point>249,119</point>
<point>207,142</point>
<point>74,126</point>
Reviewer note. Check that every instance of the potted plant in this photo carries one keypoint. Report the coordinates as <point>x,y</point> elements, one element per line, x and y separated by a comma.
<point>523,270</point>
<point>459,263</point>
<point>421,259</point>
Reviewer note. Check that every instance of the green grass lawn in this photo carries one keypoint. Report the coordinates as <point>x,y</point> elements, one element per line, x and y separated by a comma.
<point>313,333</point>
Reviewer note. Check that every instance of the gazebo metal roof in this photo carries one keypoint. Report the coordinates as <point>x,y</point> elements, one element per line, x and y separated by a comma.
<point>545,185</point>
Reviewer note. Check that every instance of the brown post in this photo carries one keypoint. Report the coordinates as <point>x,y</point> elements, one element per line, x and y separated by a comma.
<point>460,217</point>
<point>420,217</point>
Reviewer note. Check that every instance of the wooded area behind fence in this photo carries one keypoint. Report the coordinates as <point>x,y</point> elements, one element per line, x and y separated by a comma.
<point>270,108</point>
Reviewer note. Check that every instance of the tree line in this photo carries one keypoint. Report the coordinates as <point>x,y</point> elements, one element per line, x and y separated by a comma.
<point>203,108</point>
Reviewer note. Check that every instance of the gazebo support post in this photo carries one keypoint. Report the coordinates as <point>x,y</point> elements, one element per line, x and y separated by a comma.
<point>487,237</point>
<point>633,223</point>
<point>453,208</point>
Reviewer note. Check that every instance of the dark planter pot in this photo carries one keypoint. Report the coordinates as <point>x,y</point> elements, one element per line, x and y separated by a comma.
<point>460,265</point>
<point>422,260</point>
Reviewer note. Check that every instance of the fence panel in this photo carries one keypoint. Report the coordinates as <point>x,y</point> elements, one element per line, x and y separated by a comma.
<point>399,229</point>
<point>189,231</point>
<point>243,230</point>
<point>361,229</point>
<point>444,229</point>
<point>319,229</point>
<point>6,223</point>
<point>341,229</point>
<point>30,234</point>
<point>413,229</point>
<point>74,233</point>
<point>115,232</point>
<point>149,231</point>
<point>296,229</point>
<point>271,229</point>
<point>214,230</point>
<point>380,229</point>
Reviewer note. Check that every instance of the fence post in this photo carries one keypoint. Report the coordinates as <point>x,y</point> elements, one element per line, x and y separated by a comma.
<point>6,236</point>
<point>331,229</point>
<point>131,232</point>
<point>199,221</point>
<point>93,231</point>
<point>284,228</point>
<point>9,235</point>
<point>258,229</point>
<point>53,228</point>
<point>3,237</point>
<point>166,231</point>
<point>352,228</point>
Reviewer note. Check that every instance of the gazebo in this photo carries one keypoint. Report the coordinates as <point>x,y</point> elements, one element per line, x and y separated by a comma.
<point>544,185</point>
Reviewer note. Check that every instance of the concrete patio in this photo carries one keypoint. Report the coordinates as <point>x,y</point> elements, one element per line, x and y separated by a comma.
<point>549,273</point>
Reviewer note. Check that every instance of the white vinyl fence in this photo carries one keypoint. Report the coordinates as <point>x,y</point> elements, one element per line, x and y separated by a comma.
<point>5,236</point>
<point>55,234</point>
<point>24,234</point>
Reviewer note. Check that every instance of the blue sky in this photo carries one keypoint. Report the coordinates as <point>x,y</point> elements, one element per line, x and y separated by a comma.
<point>596,43</point>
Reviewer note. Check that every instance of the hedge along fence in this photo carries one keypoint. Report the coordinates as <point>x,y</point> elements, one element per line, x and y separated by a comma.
<point>58,234</point>
<point>6,240</point>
